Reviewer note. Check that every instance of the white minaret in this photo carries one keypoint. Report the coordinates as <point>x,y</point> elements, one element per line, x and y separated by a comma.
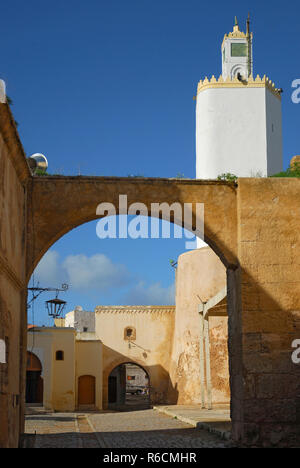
<point>237,53</point>
<point>238,117</point>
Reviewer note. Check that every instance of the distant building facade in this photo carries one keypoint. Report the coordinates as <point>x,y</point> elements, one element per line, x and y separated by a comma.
<point>178,352</point>
<point>82,321</point>
<point>67,370</point>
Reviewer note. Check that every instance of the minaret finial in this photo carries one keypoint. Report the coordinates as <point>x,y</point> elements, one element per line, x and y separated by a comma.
<point>248,25</point>
<point>236,25</point>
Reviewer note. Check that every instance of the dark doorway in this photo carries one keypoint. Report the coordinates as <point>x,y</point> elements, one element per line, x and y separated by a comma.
<point>112,389</point>
<point>34,381</point>
<point>128,388</point>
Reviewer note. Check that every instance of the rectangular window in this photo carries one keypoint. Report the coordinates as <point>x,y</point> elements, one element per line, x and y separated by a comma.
<point>239,49</point>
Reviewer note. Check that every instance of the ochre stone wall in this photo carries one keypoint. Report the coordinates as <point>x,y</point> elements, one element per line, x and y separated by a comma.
<point>218,331</point>
<point>13,177</point>
<point>89,361</point>
<point>151,347</point>
<point>266,406</point>
<point>200,275</point>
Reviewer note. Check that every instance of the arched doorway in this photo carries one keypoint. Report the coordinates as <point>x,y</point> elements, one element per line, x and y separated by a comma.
<point>129,387</point>
<point>86,390</point>
<point>34,381</point>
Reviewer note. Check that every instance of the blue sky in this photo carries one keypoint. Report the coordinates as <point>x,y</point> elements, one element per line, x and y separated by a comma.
<point>106,88</point>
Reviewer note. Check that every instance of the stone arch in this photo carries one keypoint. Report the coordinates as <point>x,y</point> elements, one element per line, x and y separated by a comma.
<point>33,362</point>
<point>117,362</point>
<point>81,196</point>
<point>235,70</point>
<point>59,204</point>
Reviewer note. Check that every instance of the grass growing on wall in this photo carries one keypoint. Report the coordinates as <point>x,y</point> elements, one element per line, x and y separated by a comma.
<point>293,171</point>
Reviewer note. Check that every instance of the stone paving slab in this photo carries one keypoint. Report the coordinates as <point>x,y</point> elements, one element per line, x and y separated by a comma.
<point>111,429</point>
<point>148,429</point>
<point>216,420</point>
<point>53,430</point>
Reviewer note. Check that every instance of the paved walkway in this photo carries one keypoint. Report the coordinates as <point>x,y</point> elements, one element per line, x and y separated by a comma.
<point>141,429</point>
<point>216,420</point>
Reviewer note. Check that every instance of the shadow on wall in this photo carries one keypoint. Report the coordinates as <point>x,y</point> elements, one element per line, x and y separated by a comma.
<point>161,390</point>
<point>265,403</point>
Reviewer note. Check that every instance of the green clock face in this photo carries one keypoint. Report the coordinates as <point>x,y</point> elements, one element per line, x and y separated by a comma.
<point>239,49</point>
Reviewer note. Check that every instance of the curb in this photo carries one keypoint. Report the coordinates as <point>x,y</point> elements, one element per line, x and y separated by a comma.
<point>225,435</point>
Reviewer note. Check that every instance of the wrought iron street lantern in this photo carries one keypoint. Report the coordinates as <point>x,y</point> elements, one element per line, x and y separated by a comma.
<point>55,307</point>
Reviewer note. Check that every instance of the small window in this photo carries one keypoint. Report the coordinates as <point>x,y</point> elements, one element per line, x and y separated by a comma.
<point>129,333</point>
<point>85,329</point>
<point>59,355</point>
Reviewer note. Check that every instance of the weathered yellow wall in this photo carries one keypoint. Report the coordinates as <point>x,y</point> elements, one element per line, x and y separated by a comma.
<point>89,362</point>
<point>63,378</point>
<point>218,330</point>
<point>14,174</point>
<point>200,275</point>
<point>154,332</point>
<point>39,342</point>
<point>58,376</point>
<point>266,404</point>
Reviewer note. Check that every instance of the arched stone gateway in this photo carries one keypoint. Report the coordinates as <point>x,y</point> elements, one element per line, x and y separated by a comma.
<point>108,370</point>
<point>254,227</point>
<point>51,218</point>
<point>249,225</point>
<point>119,391</point>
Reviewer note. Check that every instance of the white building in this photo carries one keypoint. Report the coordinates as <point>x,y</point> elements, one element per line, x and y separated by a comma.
<point>83,321</point>
<point>238,117</point>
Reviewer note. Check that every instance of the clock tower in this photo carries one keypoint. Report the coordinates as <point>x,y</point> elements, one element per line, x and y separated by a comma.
<point>238,116</point>
<point>237,53</point>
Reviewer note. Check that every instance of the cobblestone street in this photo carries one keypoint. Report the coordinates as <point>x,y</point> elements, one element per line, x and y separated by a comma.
<point>141,429</point>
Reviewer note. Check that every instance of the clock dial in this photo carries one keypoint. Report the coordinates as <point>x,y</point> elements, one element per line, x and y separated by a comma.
<point>239,49</point>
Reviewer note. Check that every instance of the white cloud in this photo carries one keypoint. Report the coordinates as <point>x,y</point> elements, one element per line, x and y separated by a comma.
<point>48,271</point>
<point>154,294</point>
<point>81,272</point>
<point>95,272</point>
<point>99,273</point>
